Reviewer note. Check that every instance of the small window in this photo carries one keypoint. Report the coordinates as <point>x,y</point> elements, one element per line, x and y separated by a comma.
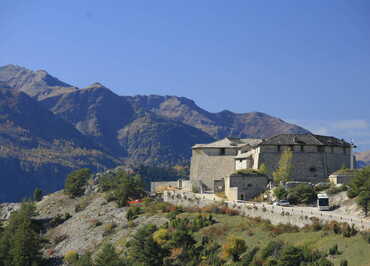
<point>302,148</point>
<point>291,148</point>
<point>332,149</point>
<point>278,148</point>
<point>222,151</point>
<point>249,185</point>
<point>344,150</point>
<point>313,169</point>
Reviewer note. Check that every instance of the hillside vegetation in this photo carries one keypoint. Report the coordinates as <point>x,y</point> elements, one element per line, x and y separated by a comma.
<point>96,222</point>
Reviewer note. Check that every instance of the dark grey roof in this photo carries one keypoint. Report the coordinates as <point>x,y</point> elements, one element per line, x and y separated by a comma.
<point>305,139</point>
<point>229,143</point>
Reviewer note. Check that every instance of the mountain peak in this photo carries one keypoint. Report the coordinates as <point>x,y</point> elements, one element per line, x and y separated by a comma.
<point>96,85</point>
<point>38,84</point>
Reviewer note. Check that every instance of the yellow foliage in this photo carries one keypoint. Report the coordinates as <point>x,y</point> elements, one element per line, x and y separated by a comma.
<point>161,236</point>
<point>71,257</point>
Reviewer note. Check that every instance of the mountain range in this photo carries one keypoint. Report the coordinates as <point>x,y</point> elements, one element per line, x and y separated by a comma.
<point>48,128</point>
<point>363,158</point>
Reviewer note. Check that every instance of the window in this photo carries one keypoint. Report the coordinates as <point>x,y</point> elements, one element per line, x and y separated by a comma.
<point>332,149</point>
<point>291,147</point>
<point>320,148</point>
<point>302,148</point>
<point>278,148</point>
<point>313,169</point>
<point>344,150</point>
<point>222,151</point>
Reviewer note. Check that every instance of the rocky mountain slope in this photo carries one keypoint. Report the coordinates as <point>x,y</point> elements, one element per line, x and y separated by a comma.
<point>38,84</point>
<point>217,125</point>
<point>156,130</point>
<point>38,149</point>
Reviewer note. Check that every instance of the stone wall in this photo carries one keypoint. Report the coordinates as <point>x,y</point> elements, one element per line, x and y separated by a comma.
<point>244,186</point>
<point>206,167</point>
<point>276,214</point>
<point>309,166</point>
<point>162,185</point>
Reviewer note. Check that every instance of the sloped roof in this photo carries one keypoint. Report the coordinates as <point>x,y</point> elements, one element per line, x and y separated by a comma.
<point>305,139</point>
<point>229,143</point>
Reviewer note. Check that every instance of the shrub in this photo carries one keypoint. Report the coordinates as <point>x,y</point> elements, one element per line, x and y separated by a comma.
<point>71,257</point>
<point>233,248</point>
<point>333,250</point>
<point>76,181</point>
<point>280,192</point>
<point>108,228</point>
<point>348,230</point>
<point>133,212</point>
<point>302,193</point>
<point>336,189</point>
<point>272,249</point>
<point>344,263</point>
<point>37,194</point>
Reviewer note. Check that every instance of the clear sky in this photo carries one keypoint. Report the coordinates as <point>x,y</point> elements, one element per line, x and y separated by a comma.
<point>307,62</point>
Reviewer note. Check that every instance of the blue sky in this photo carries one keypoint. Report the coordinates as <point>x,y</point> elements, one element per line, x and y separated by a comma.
<point>307,62</point>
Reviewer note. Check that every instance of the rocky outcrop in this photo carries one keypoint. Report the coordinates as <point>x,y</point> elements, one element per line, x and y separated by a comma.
<point>6,209</point>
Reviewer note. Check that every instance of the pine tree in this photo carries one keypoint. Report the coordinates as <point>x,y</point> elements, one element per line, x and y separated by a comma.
<point>75,182</point>
<point>20,243</point>
<point>26,246</point>
<point>108,257</point>
<point>37,194</point>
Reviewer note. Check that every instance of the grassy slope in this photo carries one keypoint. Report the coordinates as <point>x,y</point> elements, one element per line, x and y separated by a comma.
<point>354,249</point>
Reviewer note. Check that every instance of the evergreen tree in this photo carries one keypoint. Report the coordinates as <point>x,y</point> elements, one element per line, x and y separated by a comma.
<point>37,194</point>
<point>108,257</point>
<point>284,171</point>
<point>20,243</point>
<point>233,248</point>
<point>76,181</point>
<point>143,250</point>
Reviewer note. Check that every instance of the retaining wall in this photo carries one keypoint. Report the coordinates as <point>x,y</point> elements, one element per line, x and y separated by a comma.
<point>276,214</point>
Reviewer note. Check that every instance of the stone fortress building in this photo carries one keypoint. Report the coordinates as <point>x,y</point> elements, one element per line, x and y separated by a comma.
<point>215,166</point>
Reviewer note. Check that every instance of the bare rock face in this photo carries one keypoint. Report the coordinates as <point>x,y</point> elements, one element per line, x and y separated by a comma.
<point>6,209</point>
<point>38,84</point>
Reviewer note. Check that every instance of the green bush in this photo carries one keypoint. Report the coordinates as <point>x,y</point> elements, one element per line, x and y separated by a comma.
<point>76,181</point>
<point>333,250</point>
<point>37,194</point>
<point>280,192</point>
<point>302,193</point>
<point>272,249</point>
<point>133,212</point>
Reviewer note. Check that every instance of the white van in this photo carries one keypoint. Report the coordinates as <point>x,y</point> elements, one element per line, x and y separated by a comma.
<point>323,202</point>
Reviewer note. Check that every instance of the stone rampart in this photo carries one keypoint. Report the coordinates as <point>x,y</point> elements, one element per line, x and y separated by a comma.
<point>277,215</point>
